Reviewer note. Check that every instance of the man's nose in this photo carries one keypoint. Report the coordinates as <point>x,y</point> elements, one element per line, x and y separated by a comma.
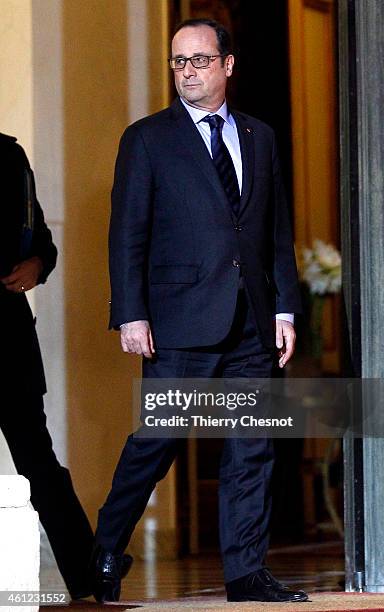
<point>189,70</point>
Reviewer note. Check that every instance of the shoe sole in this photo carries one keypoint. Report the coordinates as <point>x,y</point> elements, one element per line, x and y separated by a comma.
<point>234,599</point>
<point>107,591</point>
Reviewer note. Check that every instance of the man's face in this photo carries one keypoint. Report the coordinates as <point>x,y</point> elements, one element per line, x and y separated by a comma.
<point>201,87</point>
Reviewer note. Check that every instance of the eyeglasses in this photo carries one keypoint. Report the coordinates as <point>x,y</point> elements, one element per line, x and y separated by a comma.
<point>197,61</point>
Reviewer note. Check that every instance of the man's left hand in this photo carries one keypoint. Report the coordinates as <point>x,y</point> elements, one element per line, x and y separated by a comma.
<point>24,275</point>
<point>285,341</point>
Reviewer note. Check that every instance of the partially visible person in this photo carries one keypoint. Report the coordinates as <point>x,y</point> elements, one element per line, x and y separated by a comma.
<point>27,256</point>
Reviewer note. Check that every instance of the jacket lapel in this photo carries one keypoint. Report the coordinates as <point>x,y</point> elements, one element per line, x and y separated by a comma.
<point>192,143</point>
<point>245,132</point>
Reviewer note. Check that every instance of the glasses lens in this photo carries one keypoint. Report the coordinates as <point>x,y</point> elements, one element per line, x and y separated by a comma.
<point>177,63</point>
<point>200,61</point>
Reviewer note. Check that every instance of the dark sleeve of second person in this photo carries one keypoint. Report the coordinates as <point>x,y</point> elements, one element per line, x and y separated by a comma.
<point>42,244</point>
<point>16,175</point>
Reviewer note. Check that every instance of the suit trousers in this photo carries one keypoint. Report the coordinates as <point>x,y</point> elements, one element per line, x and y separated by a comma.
<point>23,423</point>
<point>246,463</point>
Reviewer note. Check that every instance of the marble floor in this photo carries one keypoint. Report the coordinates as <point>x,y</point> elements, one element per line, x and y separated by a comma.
<point>317,567</point>
<point>313,567</point>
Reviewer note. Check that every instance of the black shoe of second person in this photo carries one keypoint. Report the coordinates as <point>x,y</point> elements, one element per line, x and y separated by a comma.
<point>107,570</point>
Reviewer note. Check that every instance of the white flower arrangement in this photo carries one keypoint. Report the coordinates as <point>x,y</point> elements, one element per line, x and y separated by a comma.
<point>321,268</point>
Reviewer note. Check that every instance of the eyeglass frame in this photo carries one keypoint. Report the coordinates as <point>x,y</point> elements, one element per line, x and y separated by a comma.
<point>189,59</point>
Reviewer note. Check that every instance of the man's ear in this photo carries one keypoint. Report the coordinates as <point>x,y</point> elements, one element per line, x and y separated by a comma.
<point>229,62</point>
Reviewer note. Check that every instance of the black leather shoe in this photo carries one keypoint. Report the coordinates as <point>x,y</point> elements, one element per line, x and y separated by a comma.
<point>80,593</point>
<point>261,586</point>
<point>106,571</point>
<point>126,562</point>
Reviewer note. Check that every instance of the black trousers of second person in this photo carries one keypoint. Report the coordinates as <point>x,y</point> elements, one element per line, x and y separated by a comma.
<point>23,423</point>
<point>246,463</point>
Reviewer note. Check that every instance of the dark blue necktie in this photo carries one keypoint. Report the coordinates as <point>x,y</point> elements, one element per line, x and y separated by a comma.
<point>223,162</point>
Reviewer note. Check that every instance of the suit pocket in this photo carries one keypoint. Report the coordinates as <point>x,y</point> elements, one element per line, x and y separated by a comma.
<point>173,274</point>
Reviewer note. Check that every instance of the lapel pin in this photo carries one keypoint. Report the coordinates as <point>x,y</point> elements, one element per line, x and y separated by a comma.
<point>248,130</point>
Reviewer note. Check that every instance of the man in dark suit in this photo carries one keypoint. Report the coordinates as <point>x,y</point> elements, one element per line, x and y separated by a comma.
<point>201,263</point>
<point>27,256</point>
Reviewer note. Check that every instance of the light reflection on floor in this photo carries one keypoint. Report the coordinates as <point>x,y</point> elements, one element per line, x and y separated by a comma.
<point>317,567</point>
<point>314,567</point>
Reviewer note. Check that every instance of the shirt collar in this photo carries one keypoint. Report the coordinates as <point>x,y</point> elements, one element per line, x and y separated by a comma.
<point>198,114</point>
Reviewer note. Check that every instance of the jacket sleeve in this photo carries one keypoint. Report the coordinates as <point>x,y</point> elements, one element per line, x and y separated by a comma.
<point>286,282</point>
<point>130,230</point>
<point>42,244</point>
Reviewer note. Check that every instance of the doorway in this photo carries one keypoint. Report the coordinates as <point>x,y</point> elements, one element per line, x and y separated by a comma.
<point>286,57</point>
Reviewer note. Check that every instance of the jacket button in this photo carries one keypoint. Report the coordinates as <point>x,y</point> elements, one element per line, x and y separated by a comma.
<point>236,263</point>
<point>238,228</point>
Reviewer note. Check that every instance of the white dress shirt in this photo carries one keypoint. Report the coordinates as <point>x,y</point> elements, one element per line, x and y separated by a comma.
<point>231,140</point>
<point>230,135</point>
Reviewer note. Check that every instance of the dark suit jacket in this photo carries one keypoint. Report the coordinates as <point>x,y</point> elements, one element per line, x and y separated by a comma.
<point>22,368</point>
<point>174,244</point>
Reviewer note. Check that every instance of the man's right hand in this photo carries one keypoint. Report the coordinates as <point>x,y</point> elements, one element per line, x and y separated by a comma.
<point>136,337</point>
